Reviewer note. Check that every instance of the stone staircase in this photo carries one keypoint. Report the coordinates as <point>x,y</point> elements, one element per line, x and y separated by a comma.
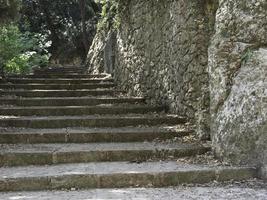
<point>63,129</point>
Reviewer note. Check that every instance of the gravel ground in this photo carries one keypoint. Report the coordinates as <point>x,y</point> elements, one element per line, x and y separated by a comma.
<point>249,190</point>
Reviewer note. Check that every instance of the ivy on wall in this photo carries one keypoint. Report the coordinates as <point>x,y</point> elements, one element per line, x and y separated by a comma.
<point>109,16</point>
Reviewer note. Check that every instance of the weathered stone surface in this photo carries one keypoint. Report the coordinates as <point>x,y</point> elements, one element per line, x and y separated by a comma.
<point>238,71</point>
<point>100,57</point>
<point>95,55</point>
<point>91,135</point>
<point>263,172</point>
<point>56,80</point>
<point>56,86</point>
<point>95,173</point>
<point>165,52</point>
<point>161,53</point>
<point>91,121</point>
<point>80,110</point>
<point>115,175</point>
<point>241,192</point>
<point>48,154</point>
<point>68,101</point>
<point>57,93</point>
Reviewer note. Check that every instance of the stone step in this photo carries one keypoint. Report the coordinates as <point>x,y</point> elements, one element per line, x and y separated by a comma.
<point>91,135</point>
<point>69,101</point>
<point>48,154</point>
<point>56,86</point>
<point>115,175</point>
<point>57,80</point>
<point>58,75</point>
<point>241,191</point>
<point>58,93</point>
<point>81,70</point>
<point>60,69</point>
<point>90,121</point>
<point>52,73</point>
<point>79,110</point>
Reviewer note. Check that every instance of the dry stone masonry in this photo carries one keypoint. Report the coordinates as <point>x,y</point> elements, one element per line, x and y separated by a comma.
<point>202,59</point>
<point>161,53</point>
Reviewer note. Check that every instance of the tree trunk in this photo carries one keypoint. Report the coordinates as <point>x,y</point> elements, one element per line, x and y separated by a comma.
<point>2,74</point>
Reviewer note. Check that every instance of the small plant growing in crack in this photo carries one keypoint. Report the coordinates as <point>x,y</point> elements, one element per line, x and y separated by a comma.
<point>246,56</point>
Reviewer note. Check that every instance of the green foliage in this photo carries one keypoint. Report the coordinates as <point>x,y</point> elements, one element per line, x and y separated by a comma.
<point>246,56</point>
<point>18,65</point>
<point>64,29</point>
<point>9,10</point>
<point>109,16</point>
<point>10,43</point>
<point>19,52</point>
<point>63,23</point>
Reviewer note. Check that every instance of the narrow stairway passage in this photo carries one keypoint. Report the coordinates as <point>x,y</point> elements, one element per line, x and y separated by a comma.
<point>61,128</point>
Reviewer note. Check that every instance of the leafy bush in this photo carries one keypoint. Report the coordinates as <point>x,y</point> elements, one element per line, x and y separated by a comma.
<point>18,65</point>
<point>19,52</point>
<point>70,25</point>
<point>9,10</point>
<point>109,16</point>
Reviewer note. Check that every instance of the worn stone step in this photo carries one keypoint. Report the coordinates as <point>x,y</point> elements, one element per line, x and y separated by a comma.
<point>57,80</point>
<point>56,86</point>
<point>69,101</point>
<point>79,110</point>
<point>59,69</point>
<point>91,135</point>
<point>58,93</point>
<point>57,75</point>
<point>47,154</point>
<point>241,191</point>
<point>62,74</point>
<point>90,121</point>
<point>115,175</point>
<point>81,70</point>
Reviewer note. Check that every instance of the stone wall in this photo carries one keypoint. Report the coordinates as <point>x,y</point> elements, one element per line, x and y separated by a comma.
<point>161,54</point>
<point>208,66</point>
<point>95,57</point>
<point>238,82</point>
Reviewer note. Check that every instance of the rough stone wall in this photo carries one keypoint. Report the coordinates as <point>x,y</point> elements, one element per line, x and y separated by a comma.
<point>95,57</point>
<point>100,58</point>
<point>161,54</point>
<point>238,82</point>
<point>210,67</point>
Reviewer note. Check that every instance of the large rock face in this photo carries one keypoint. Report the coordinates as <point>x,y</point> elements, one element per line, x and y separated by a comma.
<point>238,85</point>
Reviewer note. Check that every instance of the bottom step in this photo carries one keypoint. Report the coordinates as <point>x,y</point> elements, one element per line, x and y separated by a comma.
<point>240,192</point>
<point>116,175</point>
